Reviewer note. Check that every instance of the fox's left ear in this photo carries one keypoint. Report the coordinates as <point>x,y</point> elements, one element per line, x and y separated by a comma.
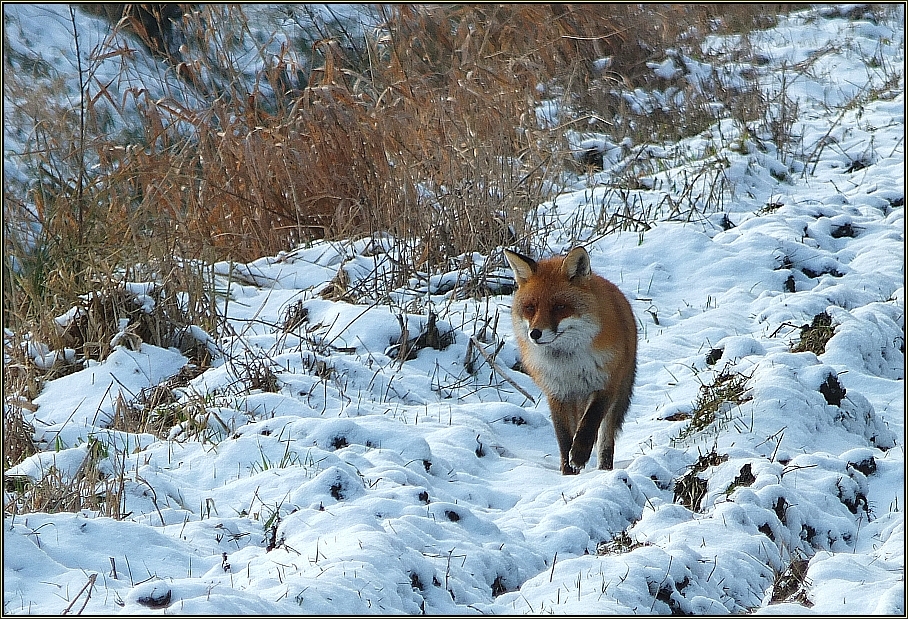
<point>576,263</point>
<point>523,266</point>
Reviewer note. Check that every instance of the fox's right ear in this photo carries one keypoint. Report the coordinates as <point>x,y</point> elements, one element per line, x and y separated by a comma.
<point>576,263</point>
<point>523,266</point>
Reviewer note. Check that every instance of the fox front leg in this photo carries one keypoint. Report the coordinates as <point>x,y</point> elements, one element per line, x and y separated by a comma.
<point>588,429</point>
<point>562,415</point>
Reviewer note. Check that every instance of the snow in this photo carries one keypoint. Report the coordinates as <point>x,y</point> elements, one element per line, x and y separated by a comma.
<point>368,484</point>
<point>75,406</point>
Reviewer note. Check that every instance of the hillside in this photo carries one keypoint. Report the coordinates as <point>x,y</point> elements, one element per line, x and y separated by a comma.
<point>363,442</point>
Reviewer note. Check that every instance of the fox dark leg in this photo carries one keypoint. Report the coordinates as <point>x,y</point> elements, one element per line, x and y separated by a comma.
<point>606,455</point>
<point>611,424</point>
<point>562,418</point>
<point>587,430</point>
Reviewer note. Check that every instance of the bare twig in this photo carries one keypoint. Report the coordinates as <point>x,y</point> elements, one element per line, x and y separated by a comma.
<point>89,586</point>
<point>500,369</point>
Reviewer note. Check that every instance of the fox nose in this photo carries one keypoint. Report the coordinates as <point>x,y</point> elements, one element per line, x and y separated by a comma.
<point>535,334</point>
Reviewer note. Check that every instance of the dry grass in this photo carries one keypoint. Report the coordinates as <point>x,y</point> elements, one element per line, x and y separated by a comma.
<point>620,544</point>
<point>792,585</point>
<point>430,127</point>
<point>813,337</point>
<point>89,487</point>
<point>715,400</point>
<point>18,442</point>
<point>690,489</point>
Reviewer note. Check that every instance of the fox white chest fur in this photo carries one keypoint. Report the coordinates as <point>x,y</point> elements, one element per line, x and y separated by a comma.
<point>563,362</point>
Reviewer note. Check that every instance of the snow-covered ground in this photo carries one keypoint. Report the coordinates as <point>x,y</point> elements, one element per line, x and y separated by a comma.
<point>364,484</point>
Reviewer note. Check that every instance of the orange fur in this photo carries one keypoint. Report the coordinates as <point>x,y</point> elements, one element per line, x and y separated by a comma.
<point>578,340</point>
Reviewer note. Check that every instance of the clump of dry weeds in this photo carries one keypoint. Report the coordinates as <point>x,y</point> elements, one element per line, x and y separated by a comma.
<point>690,489</point>
<point>813,337</point>
<point>92,486</point>
<point>728,390</point>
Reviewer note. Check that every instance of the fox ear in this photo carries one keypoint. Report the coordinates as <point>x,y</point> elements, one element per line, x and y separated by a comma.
<point>576,263</point>
<point>522,266</point>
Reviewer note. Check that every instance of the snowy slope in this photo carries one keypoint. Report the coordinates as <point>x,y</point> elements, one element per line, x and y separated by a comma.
<point>364,484</point>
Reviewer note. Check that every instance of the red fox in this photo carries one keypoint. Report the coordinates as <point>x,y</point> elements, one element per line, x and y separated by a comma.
<point>578,341</point>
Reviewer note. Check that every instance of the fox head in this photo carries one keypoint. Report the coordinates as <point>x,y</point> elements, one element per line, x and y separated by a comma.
<point>554,303</point>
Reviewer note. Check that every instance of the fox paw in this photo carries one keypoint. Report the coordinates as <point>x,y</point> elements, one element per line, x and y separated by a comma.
<point>568,469</point>
<point>578,461</point>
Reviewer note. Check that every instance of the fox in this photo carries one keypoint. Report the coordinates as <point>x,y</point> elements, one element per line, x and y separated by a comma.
<point>577,338</point>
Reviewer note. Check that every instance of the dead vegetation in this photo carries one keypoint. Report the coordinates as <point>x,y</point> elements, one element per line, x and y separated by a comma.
<point>427,131</point>
<point>791,584</point>
<point>813,337</point>
<point>620,544</point>
<point>728,390</point>
<point>690,488</point>
<point>96,484</point>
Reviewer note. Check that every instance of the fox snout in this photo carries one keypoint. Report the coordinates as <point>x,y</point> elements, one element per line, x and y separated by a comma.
<point>541,337</point>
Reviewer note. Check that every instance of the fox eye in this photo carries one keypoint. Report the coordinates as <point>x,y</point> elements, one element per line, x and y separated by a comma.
<point>562,308</point>
<point>529,309</point>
